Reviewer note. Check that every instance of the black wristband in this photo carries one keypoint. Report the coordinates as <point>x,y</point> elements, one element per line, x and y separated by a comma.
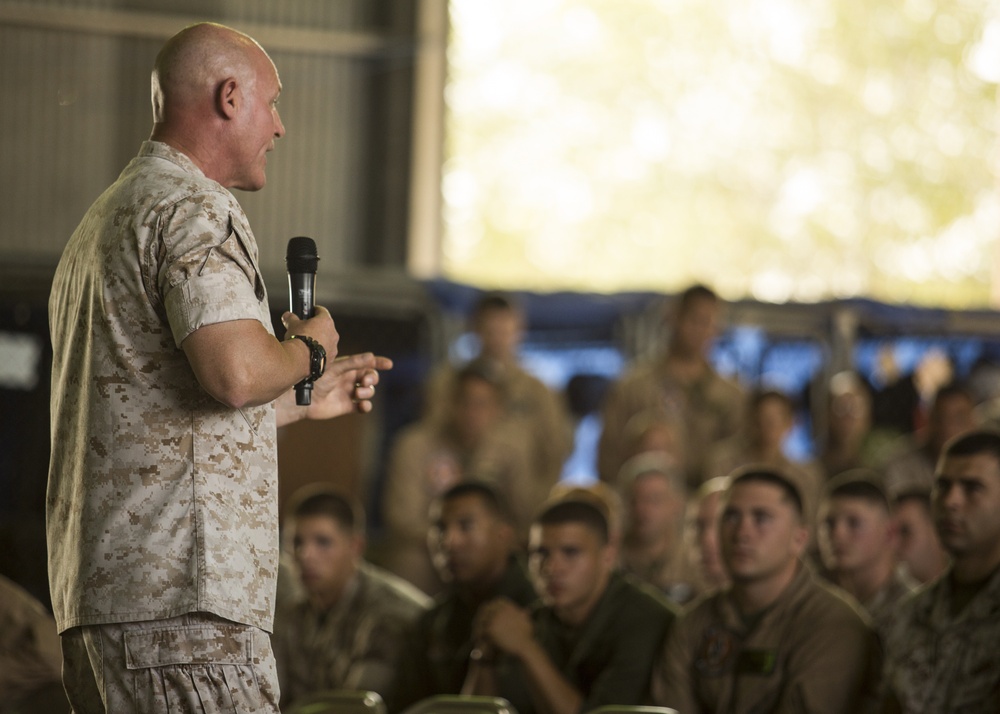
<point>317,356</point>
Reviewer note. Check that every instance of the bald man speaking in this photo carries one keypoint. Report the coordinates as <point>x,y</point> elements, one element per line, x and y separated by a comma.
<point>168,385</point>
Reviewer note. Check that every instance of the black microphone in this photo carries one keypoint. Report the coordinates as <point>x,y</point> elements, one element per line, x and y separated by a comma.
<point>301,261</point>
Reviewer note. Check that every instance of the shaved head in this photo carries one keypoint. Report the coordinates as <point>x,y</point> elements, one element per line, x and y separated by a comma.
<point>215,96</point>
<point>193,62</point>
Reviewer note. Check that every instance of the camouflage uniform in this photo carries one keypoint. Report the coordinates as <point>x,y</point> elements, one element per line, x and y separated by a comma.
<point>192,663</point>
<point>161,500</point>
<point>710,409</point>
<point>810,651</point>
<point>436,659</point>
<point>883,608</point>
<point>355,644</point>
<point>608,659</point>
<point>940,662</point>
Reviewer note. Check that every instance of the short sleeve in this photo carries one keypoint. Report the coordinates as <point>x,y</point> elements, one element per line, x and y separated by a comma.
<point>208,268</point>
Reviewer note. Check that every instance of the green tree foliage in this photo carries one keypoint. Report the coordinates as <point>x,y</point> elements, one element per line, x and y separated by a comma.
<point>781,149</point>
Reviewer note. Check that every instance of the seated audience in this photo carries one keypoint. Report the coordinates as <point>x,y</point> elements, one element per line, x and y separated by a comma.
<point>592,642</point>
<point>849,442</point>
<point>942,653</point>
<point>30,654</point>
<point>911,465</point>
<point>921,555</point>
<point>859,540</point>
<point>429,457</point>
<point>474,548</point>
<point>776,640</point>
<point>704,549</point>
<point>681,385</point>
<point>542,414</point>
<point>348,631</point>
<point>652,548</point>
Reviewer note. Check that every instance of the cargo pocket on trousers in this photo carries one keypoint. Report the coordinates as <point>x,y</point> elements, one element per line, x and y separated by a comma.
<point>193,668</point>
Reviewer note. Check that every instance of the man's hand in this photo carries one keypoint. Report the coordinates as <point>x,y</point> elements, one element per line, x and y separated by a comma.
<point>506,626</point>
<point>347,385</point>
<point>320,327</point>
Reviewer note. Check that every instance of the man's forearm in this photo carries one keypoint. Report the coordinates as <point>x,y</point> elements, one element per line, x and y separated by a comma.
<point>550,691</point>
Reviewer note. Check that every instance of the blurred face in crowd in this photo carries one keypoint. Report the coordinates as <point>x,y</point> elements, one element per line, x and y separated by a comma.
<point>773,420</point>
<point>953,414</point>
<point>966,500</point>
<point>571,565</point>
<point>470,543</point>
<point>477,409</point>
<point>654,507</point>
<point>850,417</point>
<point>327,555</point>
<point>761,532</point>
<point>696,327</point>
<point>500,332</point>
<point>706,531</point>
<point>855,534</point>
<point>920,548</point>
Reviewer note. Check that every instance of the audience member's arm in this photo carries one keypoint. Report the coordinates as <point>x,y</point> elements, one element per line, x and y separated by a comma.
<point>508,628</point>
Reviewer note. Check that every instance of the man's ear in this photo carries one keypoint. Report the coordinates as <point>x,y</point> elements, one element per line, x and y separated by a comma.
<point>800,538</point>
<point>227,97</point>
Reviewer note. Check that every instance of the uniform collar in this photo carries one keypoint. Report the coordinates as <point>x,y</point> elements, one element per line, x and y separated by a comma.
<point>160,150</point>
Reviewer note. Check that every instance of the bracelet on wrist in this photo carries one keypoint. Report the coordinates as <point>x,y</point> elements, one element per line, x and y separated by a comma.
<point>317,356</point>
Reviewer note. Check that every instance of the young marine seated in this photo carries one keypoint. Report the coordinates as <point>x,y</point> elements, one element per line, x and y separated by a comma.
<point>349,629</point>
<point>859,540</point>
<point>942,653</point>
<point>776,639</point>
<point>921,554</point>
<point>593,640</point>
<point>473,543</point>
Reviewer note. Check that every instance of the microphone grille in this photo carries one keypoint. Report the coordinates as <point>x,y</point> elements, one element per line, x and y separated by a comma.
<point>301,255</point>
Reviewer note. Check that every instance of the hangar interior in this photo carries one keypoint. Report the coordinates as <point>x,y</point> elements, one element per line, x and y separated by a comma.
<point>359,172</point>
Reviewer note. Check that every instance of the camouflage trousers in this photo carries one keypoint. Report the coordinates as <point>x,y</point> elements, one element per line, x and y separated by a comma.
<point>196,663</point>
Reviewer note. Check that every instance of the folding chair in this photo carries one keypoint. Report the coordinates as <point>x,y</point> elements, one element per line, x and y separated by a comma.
<point>631,709</point>
<point>340,701</point>
<point>461,704</point>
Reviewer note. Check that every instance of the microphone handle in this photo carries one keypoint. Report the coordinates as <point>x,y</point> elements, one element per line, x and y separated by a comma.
<point>301,292</point>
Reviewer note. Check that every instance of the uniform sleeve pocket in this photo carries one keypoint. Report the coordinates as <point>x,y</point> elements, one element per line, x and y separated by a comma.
<point>187,645</point>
